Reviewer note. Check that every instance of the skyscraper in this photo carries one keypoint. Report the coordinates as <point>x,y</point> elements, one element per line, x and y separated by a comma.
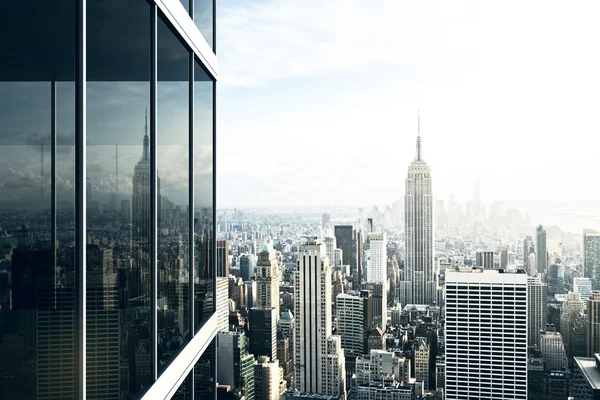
<point>377,261</point>
<point>319,358</point>
<point>528,248</point>
<point>223,258</point>
<point>486,334</point>
<point>354,321</point>
<point>330,245</point>
<point>140,199</point>
<point>268,279</point>
<point>537,309</point>
<point>346,239</point>
<point>419,284</point>
<point>236,365</point>
<point>593,324</point>
<point>542,252</point>
<point>591,257</point>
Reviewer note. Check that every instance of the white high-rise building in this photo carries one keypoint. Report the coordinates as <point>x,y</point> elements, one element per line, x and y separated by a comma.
<point>486,334</point>
<point>377,261</point>
<point>330,245</point>
<point>318,357</point>
<point>419,285</point>
<point>537,308</point>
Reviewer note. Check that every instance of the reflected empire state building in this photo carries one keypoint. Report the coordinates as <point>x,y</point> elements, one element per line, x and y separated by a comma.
<point>140,199</point>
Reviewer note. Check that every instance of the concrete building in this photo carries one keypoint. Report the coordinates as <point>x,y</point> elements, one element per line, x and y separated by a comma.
<point>486,334</point>
<point>354,322</point>
<point>267,379</point>
<point>378,291</point>
<point>586,378</point>
<point>593,324</point>
<point>484,259</point>
<point>319,358</point>
<point>537,310</point>
<point>421,359</point>
<point>591,257</point>
<point>553,349</point>
<point>377,259</point>
<point>236,365</point>
<point>542,252</point>
<point>223,258</point>
<point>583,286</point>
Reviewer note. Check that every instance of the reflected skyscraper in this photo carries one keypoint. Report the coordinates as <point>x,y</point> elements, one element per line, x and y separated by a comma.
<point>419,284</point>
<point>140,199</point>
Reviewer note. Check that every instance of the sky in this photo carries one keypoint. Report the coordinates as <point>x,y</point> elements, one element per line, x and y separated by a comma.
<point>317,100</point>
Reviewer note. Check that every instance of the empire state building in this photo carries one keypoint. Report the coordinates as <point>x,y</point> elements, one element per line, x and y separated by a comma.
<point>419,284</point>
<point>140,199</point>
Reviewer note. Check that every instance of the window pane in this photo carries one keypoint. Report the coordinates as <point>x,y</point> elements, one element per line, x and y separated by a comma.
<point>173,175</point>
<point>204,273</point>
<point>203,17</point>
<point>118,198</point>
<point>204,382</point>
<point>37,269</point>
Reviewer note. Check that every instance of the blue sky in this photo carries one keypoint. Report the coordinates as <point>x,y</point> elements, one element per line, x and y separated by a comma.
<point>317,100</point>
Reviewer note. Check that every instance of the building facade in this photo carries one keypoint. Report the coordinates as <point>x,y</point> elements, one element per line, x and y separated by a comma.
<point>593,324</point>
<point>377,260</point>
<point>114,260</point>
<point>591,257</point>
<point>419,284</point>
<point>319,361</point>
<point>486,334</point>
<point>542,252</point>
<point>354,321</point>
<point>537,309</point>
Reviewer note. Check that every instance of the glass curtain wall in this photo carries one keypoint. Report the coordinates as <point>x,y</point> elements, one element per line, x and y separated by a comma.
<point>143,184</point>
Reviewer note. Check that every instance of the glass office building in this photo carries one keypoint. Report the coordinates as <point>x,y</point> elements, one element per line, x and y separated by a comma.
<point>107,199</point>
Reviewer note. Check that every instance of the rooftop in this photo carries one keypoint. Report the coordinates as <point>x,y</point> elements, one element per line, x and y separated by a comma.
<point>588,367</point>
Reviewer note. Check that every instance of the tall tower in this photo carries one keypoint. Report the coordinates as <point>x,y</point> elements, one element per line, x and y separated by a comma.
<point>542,253</point>
<point>330,245</point>
<point>419,285</point>
<point>268,278</point>
<point>319,362</point>
<point>591,257</point>
<point>537,308</point>
<point>593,324</point>
<point>491,347</point>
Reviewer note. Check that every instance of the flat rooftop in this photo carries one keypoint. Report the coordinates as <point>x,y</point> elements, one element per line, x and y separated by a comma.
<point>589,369</point>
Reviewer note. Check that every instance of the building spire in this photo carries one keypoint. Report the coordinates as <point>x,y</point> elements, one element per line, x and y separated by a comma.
<point>419,155</point>
<point>146,153</point>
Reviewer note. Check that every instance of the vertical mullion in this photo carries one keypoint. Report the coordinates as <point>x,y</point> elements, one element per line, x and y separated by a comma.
<point>80,200</point>
<point>153,200</point>
<point>53,183</point>
<point>214,226</point>
<point>192,210</point>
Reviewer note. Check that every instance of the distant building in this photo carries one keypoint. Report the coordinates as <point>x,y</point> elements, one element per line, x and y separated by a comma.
<point>354,322</point>
<point>593,324</point>
<point>553,349</point>
<point>248,267</point>
<point>591,257</point>
<point>377,261</point>
<point>347,240</point>
<point>421,358</point>
<point>583,286</point>
<point>379,292</point>
<point>484,259</point>
<point>537,309</point>
<point>542,253</point>
<point>223,258</point>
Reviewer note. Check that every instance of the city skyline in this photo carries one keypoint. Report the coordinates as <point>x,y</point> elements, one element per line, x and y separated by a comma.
<point>501,104</point>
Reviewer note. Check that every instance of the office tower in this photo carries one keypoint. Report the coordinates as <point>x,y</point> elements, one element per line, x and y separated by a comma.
<point>377,261</point>
<point>421,359</point>
<point>528,248</point>
<point>593,324</point>
<point>325,220</point>
<point>319,363</point>
<point>486,334</point>
<point>286,324</point>
<point>591,257</point>
<point>330,245</point>
<point>537,309</point>
<point>572,307</point>
<point>267,379</point>
<point>263,332</point>
<point>95,292</point>
<point>419,285</point>
<point>223,258</point>
<point>553,349</point>
<point>222,306</point>
<point>378,291</point>
<point>440,372</point>
<point>285,357</point>
<point>504,258</point>
<point>484,259</point>
<point>354,314</point>
<point>542,252</point>
<point>583,286</point>
<point>268,279</point>
<point>248,266</point>
<point>360,239</point>
<point>346,238</point>
<point>236,365</point>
